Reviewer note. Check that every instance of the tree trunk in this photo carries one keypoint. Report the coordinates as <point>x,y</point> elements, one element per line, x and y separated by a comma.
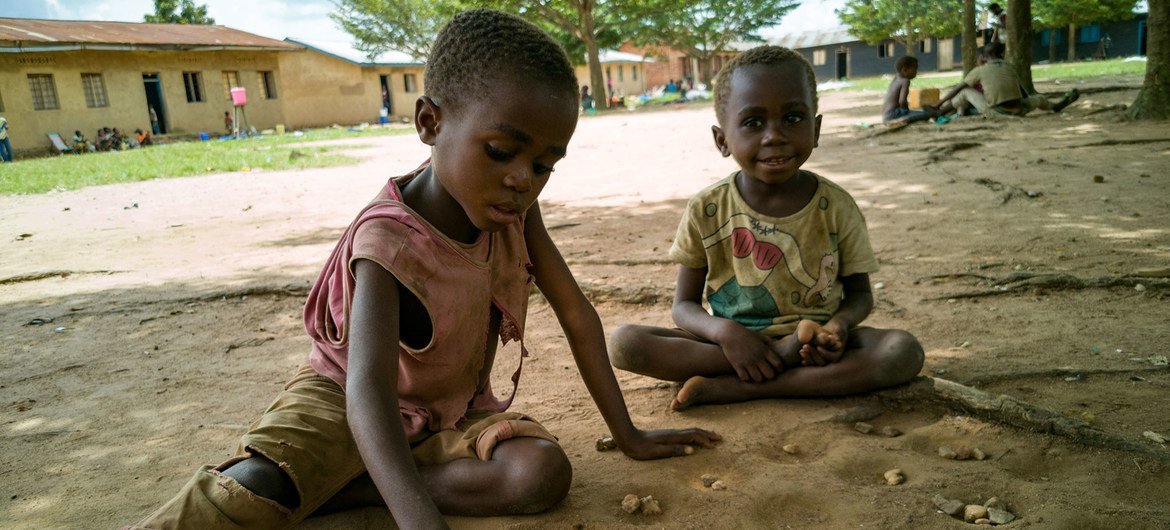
<point>968,36</point>
<point>596,80</point>
<point>1153,102</point>
<point>1052,45</point>
<point>1072,41</point>
<point>1019,42</point>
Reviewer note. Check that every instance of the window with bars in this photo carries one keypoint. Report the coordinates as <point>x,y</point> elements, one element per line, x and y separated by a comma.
<point>230,79</point>
<point>267,85</point>
<point>95,90</point>
<point>193,84</point>
<point>44,93</point>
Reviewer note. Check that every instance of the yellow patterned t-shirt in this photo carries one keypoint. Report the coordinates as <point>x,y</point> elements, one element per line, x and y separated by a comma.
<point>768,273</point>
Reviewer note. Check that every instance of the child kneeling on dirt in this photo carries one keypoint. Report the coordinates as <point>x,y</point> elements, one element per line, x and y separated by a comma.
<point>783,254</point>
<point>394,406</point>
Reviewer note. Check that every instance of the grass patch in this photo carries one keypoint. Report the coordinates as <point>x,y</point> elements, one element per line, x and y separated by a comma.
<point>1040,73</point>
<point>70,172</point>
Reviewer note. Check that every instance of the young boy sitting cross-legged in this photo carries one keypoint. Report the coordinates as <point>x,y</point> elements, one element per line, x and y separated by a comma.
<point>782,255</point>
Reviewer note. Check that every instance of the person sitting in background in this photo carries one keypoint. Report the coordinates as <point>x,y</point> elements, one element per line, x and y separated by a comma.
<point>104,139</point>
<point>143,138</point>
<point>80,144</point>
<point>896,107</point>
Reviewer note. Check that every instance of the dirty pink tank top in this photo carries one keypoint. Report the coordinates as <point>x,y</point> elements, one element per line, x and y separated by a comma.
<point>458,284</point>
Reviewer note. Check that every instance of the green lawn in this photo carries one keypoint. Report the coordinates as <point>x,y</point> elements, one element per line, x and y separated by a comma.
<point>1040,72</point>
<point>68,172</point>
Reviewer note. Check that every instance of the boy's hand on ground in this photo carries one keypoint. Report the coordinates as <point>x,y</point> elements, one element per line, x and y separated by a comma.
<point>666,443</point>
<point>749,354</point>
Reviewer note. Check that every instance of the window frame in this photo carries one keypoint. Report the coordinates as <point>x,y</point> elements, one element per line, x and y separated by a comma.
<point>820,57</point>
<point>39,100</point>
<point>231,79</point>
<point>193,86</point>
<point>95,92</point>
<point>267,84</point>
<point>409,83</point>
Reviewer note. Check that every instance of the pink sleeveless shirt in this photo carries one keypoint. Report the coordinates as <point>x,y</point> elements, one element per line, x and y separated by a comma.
<point>458,284</point>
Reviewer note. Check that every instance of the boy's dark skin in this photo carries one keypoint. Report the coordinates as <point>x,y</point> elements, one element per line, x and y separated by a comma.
<point>770,128</point>
<point>898,95</point>
<point>490,159</point>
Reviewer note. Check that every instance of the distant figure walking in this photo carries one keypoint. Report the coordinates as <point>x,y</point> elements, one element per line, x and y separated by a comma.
<point>5,145</point>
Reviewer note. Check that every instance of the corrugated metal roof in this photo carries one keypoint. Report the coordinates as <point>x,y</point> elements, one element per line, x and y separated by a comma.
<point>36,33</point>
<point>813,39</point>
<point>346,51</point>
<point>614,56</point>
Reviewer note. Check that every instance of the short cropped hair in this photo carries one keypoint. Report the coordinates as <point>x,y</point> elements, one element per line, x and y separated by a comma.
<point>995,49</point>
<point>481,46</point>
<point>905,61</point>
<point>761,55</point>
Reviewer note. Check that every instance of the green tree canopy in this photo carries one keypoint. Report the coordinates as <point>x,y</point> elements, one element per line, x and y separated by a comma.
<point>1054,14</point>
<point>178,12</point>
<point>908,22</point>
<point>403,25</point>
<point>703,28</point>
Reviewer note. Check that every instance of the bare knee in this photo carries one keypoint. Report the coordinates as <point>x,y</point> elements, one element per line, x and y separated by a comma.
<point>265,478</point>
<point>900,358</point>
<point>538,477</point>
<point>626,346</point>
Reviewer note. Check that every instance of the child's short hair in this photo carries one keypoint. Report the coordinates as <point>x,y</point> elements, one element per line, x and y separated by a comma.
<point>482,45</point>
<point>763,55</point>
<point>994,49</point>
<point>905,61</point>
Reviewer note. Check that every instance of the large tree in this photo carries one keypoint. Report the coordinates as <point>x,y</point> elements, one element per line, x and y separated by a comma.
<point>1019,43</point>
<point>403,25</point>
<point>908,22</point>
<point>178,12</point>
<point>1153,102</point>
<point>702,29</point>
<point>1054,14</point>
<point>968,36</point>
<point>589,21</point>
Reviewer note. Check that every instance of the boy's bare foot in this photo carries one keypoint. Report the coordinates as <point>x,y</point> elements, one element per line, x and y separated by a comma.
<point>700,390</point>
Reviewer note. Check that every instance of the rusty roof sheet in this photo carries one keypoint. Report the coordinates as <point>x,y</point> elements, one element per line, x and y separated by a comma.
<point>27,32</point>
<point>815,38</point>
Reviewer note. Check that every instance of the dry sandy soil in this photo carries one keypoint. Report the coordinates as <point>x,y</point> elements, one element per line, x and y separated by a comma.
<point>143,326</point>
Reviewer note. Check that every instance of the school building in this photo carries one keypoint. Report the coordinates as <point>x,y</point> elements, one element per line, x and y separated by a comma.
<point>624,73</point>
<point>837,54</point>
<point>61,76</point>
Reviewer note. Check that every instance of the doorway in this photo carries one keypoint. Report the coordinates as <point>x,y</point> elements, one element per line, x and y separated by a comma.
<point>946,54</point>
<point>387,100</point>
<point>154,100</point>
<point>842,64</point>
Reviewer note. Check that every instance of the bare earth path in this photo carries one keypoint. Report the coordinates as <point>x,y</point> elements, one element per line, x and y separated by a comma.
<point>145,325</point>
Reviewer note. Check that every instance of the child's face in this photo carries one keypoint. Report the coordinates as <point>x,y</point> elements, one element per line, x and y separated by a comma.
<point>909,72</point>
<point>769,126</point>
<point>495,155</point>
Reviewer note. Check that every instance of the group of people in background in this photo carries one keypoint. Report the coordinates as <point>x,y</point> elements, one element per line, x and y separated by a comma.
<point>110,139</point>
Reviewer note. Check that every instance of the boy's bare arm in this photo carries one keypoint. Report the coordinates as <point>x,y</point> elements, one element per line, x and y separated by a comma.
<point>586,339</point>
<point>372,399</point>
<point>746,351</point>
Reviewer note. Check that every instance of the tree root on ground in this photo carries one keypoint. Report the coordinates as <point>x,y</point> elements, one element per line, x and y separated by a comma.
<point>1023,281</point>
<point>1007,191</point>
<point>1015,412</point>
<point>1133,141</point>
<point>1062,372</point>
<point>32,277</point>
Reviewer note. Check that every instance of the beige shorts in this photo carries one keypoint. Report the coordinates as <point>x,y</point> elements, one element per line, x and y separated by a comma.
<point>305,432</point>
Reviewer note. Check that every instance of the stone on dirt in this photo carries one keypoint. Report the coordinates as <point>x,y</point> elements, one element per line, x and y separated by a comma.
<point>631,503</point>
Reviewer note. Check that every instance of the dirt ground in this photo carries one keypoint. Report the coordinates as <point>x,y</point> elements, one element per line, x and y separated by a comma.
<point>145,325</point>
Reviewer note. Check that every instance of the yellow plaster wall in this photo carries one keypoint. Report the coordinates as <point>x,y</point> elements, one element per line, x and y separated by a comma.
<point>624,84</point>
<point>322,90</point>
<point>122,75</point>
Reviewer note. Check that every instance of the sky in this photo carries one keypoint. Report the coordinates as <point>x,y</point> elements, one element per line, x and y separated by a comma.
<point>305,19</point>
